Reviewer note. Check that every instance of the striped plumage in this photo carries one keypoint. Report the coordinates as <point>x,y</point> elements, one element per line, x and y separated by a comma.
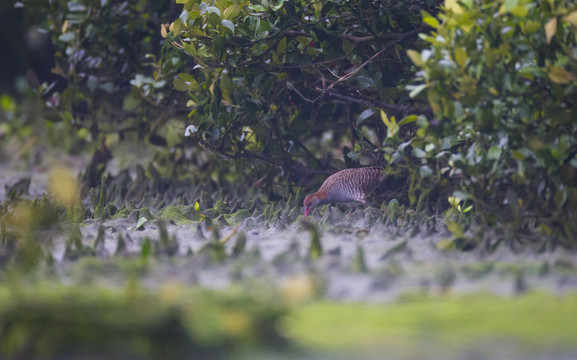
<point>349,185</point>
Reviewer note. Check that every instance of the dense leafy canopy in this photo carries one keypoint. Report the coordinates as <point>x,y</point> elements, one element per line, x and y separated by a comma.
<point>101,49</point>
<point>289,82</point>
<point>501,78</point>
<point>296,83</point>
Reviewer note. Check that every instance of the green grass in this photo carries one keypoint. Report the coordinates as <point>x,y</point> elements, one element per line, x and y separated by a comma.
<point>533,321</point>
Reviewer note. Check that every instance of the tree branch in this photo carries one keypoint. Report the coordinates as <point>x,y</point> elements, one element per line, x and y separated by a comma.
<point>385,36</point>
<point>327,91</point>
<point>396,110</point>
<point>249,155</point>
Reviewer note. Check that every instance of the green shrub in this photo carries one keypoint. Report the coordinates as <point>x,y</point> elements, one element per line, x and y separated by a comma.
<point>501,78</point>
<point>294,84</point>
<point>109,85</point>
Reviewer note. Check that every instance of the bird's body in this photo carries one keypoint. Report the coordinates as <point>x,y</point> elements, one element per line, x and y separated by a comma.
<point>345,186</point>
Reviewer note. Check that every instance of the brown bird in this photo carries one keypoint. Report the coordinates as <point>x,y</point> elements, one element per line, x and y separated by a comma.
<point>346,186</point>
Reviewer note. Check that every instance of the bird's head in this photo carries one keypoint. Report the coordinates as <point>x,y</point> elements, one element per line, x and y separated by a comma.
<point>310,202</point>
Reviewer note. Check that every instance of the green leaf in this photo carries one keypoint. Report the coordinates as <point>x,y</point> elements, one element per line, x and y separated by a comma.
<point>461,56</point>
<point>453,6</point>
<point>220,4</point>
<point>389,123</point>
<point>260,8</point>
<point>67,36</point>
<point>509,4</point>
<point>228,24</point>
<point>425,171</point>
<point>190,49</point>
<point>494,153</point>
<point>448,142</point>
<point>213,10</point>
<point>433,97</point>
<point>415,57</point>
<point>186,77</point>
<point>281,47</point>
<point>231,12</point>
<point>419,153</point>
<point>365,82</point>
<point>364,115</point>
<point>214,19</point>
<point>176,25</point>
<point>445,244</point>
<point>185,82</point>
<point>183,17</point>
<point>353,155</point>
<point>430,20</point>
<point>194,33</point>
<point>416,89</point>
<point>408,119</point>
<point>141,221</point>
<point>520,11</point>
<point>454,201</point>
<point>455,228</point>
<point>180,85</point>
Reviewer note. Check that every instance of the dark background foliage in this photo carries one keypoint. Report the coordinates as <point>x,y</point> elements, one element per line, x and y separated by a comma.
<point>282,93</point>
<point>290,89</point>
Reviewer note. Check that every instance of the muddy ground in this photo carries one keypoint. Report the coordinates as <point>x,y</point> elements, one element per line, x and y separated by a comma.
<point>367,257</point>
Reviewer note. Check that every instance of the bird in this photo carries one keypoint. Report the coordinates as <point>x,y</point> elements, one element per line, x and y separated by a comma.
<point>346,186</point>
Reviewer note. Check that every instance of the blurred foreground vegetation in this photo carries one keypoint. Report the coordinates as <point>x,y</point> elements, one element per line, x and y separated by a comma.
<point>55,321</point>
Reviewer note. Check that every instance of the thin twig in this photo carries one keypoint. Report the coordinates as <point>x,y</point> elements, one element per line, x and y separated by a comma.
<point>346,77</point>
<point>245,154</point>
<point>394,109</point>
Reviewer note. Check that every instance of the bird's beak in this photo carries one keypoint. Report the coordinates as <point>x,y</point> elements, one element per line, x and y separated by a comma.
<point>307,210</point>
